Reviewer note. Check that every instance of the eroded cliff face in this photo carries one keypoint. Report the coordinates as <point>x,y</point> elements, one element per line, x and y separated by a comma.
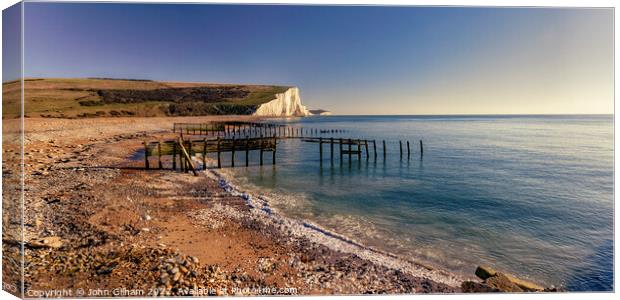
<point>287,104</point>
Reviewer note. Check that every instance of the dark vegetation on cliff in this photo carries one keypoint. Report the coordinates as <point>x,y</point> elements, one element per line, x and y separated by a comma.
<point>99,97</point>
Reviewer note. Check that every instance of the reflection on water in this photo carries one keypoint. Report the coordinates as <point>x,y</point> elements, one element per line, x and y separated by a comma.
<point>531,195</point>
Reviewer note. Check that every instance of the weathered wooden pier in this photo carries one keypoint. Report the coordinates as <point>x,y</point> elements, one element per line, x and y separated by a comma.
<point>251,129</point>
<point>183,150</point>
<point>235,137</point>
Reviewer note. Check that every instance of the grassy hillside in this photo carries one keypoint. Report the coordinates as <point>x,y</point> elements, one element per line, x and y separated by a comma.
<point>92,97</point>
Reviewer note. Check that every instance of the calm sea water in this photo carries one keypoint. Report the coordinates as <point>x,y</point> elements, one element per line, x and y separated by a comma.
<point>529,195</point>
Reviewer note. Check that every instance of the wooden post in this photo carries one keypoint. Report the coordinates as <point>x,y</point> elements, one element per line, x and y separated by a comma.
<point>408,151</point>
<point>421,148</point>
<point>359,151</point>
<point>321,149</point>
<point>204,152</point>
<point>366,145</point>
<point>340,145</point>
<point>384,150</point>
<point>261,149</point>
<point>146,155</point>
<point>273,151</point>
<point>400,143</point>
<point>232,154</point>
<point>174,155</point>
<point>349,142</point>
<point>331,150</point>
<point>159,155</point>
<point>181,160</point>
<point>247,151</point>
<point>374,147</point>
<point>188,158</point>
<point>219,160</point>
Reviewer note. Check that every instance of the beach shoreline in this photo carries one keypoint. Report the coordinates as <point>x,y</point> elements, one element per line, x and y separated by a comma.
<point>84,193</point>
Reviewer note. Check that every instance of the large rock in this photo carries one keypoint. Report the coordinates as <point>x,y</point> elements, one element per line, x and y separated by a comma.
<point>499,280</point>
<point>477,287</point>
<point>503,283</point>
<point>484,272</point>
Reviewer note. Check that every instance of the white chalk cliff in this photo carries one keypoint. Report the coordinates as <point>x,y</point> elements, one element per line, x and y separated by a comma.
<point>287,104</point>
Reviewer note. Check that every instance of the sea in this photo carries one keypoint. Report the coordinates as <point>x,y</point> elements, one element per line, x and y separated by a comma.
<point>529,195</point>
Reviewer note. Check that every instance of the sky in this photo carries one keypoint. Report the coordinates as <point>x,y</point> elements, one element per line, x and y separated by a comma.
<point>349,60</point>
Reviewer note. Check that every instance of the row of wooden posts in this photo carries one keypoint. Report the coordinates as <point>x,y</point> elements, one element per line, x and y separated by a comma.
<point>359,143</point>
<point>242,129</point>
<point>186,148</point>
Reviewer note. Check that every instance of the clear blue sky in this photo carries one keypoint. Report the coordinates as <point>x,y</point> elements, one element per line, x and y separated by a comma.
<point>351,60</point>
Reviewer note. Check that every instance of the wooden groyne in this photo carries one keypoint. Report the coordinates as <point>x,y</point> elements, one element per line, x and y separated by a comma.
<point>355,147</point>
<point>182,150</point>
<point>251,129</point>
<point>235,137</point>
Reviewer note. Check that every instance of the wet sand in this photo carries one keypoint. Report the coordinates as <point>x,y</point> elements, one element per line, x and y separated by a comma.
<point>97,223</point>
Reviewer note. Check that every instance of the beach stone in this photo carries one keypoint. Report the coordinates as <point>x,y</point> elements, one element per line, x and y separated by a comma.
<point>503,283</point>
<point>526,285</point>
<point>476,287</point>
<point>47,242</point>
<point>484,272</point>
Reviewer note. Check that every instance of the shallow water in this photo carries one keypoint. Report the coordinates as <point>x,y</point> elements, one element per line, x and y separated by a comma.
<point>529,195</point>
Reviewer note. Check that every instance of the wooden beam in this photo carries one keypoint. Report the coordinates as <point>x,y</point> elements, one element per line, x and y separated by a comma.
<point>187,157</point>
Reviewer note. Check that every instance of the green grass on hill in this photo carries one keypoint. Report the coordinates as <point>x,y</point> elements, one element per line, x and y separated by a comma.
<point>69,98</point>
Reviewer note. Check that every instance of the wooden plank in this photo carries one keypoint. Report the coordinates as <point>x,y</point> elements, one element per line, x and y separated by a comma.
<point>187,157</point>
